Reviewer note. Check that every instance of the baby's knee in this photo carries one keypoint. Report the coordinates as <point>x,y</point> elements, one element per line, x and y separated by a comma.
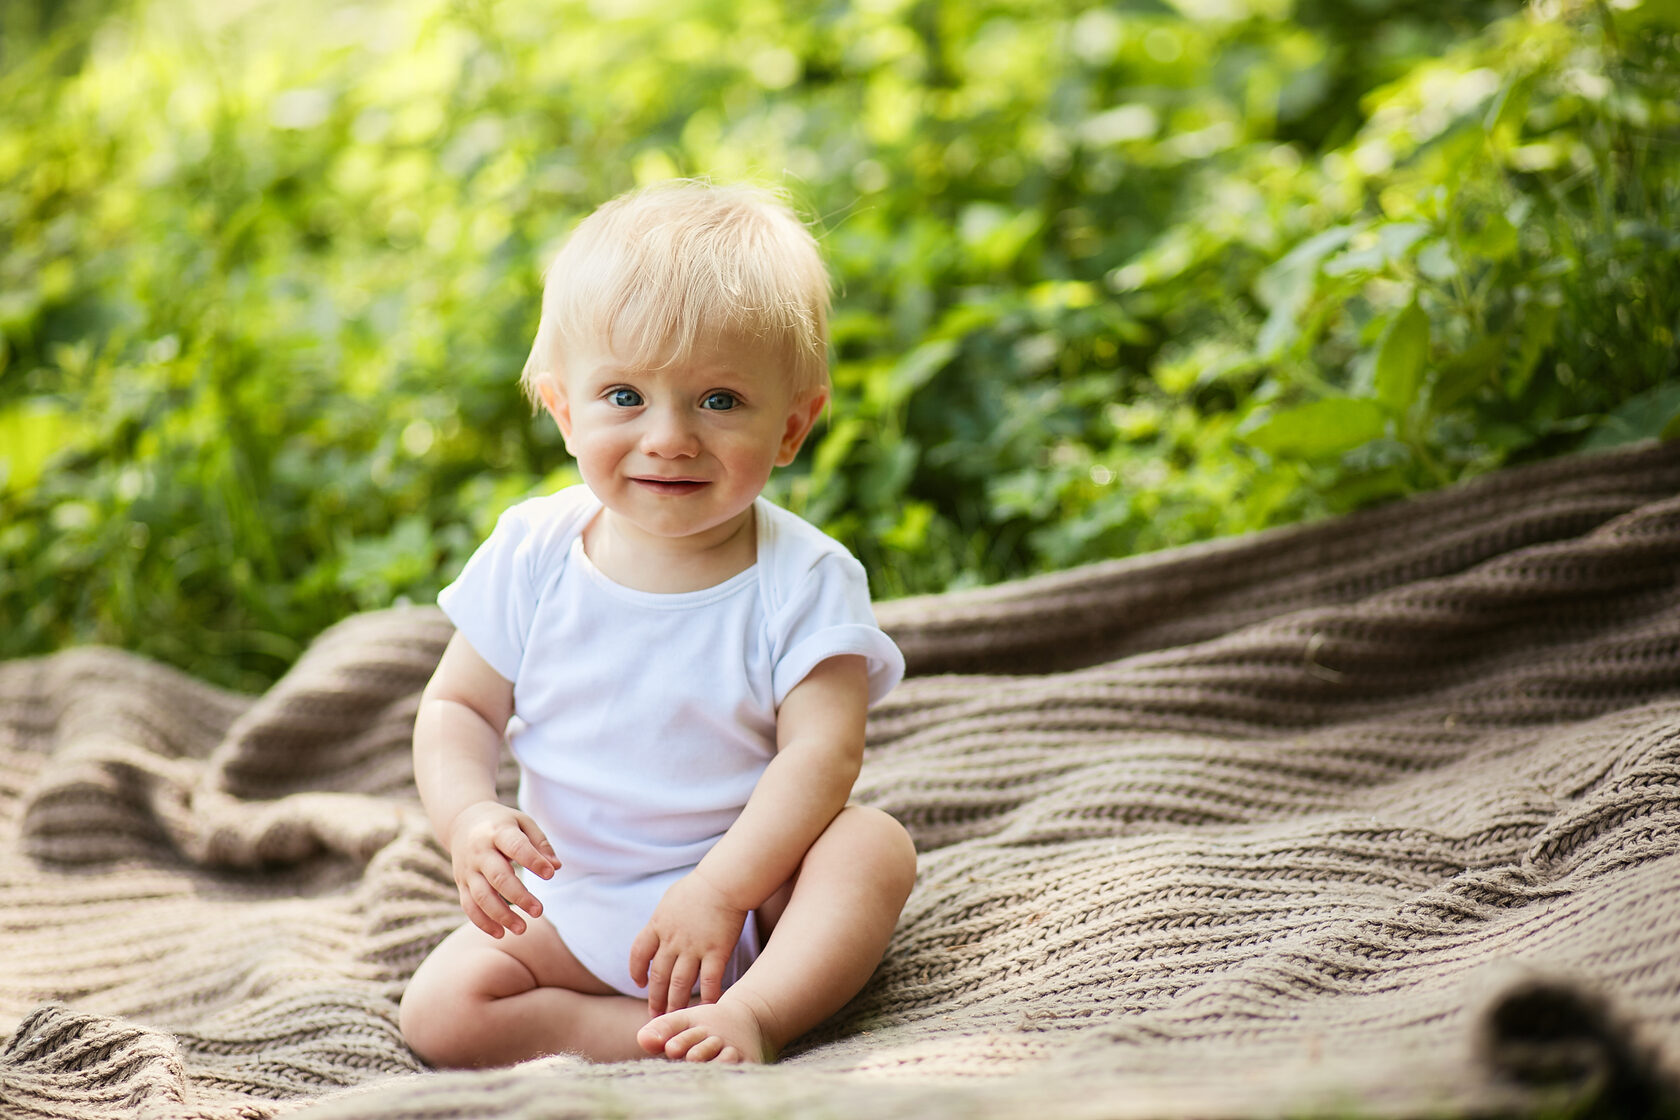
<point>434,1022</point>
<point>421,1020</point>
<point>881,845</point>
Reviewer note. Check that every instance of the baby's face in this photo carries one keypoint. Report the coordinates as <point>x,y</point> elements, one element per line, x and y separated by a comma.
<point>681,451</point>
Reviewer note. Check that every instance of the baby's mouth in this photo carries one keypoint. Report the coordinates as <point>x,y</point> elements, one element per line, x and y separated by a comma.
<point>672,486</point>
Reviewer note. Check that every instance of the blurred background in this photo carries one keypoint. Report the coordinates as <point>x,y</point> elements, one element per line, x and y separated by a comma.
<point>1109,277</point>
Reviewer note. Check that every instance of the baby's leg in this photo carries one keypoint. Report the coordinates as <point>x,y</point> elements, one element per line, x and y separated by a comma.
<point>479,1001</point>
<point>824,946</point>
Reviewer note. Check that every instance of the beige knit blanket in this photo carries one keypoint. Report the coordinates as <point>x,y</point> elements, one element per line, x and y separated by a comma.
<point>1379,816</point>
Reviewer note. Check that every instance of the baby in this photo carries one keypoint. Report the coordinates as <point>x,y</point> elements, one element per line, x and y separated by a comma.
<point>690,667</point>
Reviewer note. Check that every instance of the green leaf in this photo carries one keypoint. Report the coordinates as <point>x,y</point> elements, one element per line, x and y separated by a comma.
<point>1495,240</point>
<point>1653,414</point>
<point>1280,284</point>
<point>997,234</point>
<point>1664,14</point>
<point>917,368</point>
<point>1400,358</point>
<point>910,533</point>
<point>30,434</point>
<point>1319,429</point>
<point>882,485</point>
<point>1435,260</point>
<point>1467,372</point>
<point>832,449</point>
<point>1539,329</point>
<point>1505,117</point>
<point>1370,259</point>
<point>1286,286</point>
<point>1397,238</point>
<point>1356,490</point>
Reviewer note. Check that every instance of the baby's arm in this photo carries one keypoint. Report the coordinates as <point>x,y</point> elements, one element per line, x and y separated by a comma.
<point>457,745</point>
<point>819,750</point>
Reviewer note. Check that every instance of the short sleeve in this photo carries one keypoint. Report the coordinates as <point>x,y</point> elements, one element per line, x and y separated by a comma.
<point>494,598</point>
<point>827,616</point>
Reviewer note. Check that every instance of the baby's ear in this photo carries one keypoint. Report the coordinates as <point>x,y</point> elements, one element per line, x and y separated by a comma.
<point>554,401</point>
<point>802,417</point>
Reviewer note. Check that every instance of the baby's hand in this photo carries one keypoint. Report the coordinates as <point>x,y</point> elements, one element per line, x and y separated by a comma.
<point>486,839</point>
<point>691,935</point>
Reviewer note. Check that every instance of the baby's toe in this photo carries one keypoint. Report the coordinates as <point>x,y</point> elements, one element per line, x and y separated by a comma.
<point>680,1044</point>
<point>706,1049</point>
<point>654,1036</point>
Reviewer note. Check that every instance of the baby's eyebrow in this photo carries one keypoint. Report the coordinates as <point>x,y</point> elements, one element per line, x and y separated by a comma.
<point>610,375</point>
<point>725,373</point>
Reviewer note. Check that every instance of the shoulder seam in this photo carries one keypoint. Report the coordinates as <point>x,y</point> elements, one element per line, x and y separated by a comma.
<point>562,527</point>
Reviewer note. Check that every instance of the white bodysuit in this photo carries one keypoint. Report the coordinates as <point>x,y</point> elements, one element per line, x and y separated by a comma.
<point>643,721</point>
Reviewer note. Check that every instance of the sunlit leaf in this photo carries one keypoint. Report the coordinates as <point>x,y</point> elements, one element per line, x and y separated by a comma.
<point>1505,116</point>
<point>916,368</point>
<point>1397,238</point>
<point>1286,286</point>
<point>1319,429</point>
<point>1435,260</point>
<point>1495,240</point>
<point>834,446</point>
<point>31,433</point>
<point>1400,358</point>
<point>1281,283</point>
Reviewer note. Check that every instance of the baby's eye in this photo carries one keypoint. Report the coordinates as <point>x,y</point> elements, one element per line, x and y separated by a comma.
<point>625,398</point>
<point>720,401</point>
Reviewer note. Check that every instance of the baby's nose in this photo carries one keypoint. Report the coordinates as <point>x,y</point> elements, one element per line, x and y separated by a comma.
<point>669,435</point>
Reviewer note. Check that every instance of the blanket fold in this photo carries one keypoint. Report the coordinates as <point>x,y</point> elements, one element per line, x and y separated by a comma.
<point>1379,815</point>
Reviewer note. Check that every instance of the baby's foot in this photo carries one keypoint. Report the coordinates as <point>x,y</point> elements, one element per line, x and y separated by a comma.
<point>726,1031</point>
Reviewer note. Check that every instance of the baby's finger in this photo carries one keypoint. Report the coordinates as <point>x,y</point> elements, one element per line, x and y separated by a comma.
<point>513,845</point>
<point>641,954</point>
<point>711,978</point>
<point>683,975</point>
<point>512,890</point>
<point>522,848</point>
<point>535,833</point>
<point>477,916</point>
<point>495,907</point>
<point>659,982</point>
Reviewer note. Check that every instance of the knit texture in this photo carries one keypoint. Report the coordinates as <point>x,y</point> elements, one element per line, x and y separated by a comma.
<point>1376,817</point>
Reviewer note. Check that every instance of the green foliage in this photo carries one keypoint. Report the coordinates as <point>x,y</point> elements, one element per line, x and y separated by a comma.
<point>1110,278</point>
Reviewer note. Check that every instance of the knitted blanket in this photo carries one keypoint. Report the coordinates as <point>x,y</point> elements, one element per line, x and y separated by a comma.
<point>1378,816</point>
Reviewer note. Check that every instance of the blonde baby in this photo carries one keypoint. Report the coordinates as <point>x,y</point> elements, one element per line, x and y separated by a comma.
<point>682,669</point>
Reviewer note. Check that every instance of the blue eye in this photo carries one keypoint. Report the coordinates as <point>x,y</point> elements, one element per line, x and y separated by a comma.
<point>720,401</point>
<point>625,398</point>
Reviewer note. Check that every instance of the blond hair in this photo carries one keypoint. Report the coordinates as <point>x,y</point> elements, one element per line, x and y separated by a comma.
<point>658,271</point>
